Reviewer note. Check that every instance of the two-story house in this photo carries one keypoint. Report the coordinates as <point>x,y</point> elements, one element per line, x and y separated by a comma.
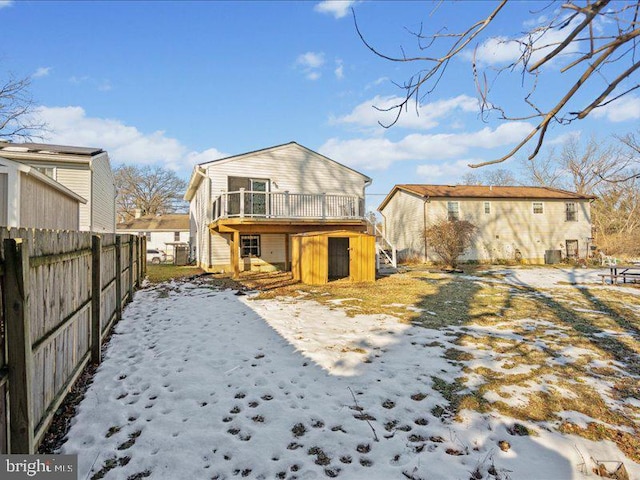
<point>512,222</point>
<point>244,208</point>
<point>83,170</point>
<point>30,199</point>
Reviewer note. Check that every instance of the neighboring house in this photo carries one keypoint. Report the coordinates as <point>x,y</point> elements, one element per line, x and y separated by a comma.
<point>84,171</point>
<point>163,232</point>
<point>30,199</point>
<point>245,208</point>
<point>512,222</point>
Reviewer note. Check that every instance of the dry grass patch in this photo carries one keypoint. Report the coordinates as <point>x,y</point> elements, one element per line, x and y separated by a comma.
<point>162,273</point>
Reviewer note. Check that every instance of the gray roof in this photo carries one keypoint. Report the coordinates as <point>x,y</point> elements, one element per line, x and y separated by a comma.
<point>48,148</point>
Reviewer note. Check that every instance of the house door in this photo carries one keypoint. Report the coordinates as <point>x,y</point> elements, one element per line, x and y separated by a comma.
<point>258,200</point>
<point>572,249</point>
<point>338,258</point>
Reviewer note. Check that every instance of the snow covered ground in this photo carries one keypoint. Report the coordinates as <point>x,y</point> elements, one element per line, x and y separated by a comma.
<point>199,383</point>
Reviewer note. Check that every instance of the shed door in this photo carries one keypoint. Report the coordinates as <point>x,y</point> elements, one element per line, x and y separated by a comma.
<point>338,258</point>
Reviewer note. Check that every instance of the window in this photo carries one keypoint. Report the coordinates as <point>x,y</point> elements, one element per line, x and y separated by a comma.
<point>487,207</point>
<point>250,245</point>
<point>453,211</point>
<point>571,210</point>
<point>148,235</point>
<point>48,171</point>
<point>538,208</point>
<point>176,236</point>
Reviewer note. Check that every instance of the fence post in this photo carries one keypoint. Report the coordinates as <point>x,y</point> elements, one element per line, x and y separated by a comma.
<point>130,268</point>
<point>139,260</point>
<point>16,299</point>
<point>143,256</point>
<point>96,297</point>
<point>118,278</point>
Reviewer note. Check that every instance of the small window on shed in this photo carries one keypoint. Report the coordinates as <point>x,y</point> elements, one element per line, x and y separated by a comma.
<point>538,208</point>
<point>572,211</point>
<point>487,207</point>
<point>176,236</point>
<point>250,245</point>
<point>453,211</point>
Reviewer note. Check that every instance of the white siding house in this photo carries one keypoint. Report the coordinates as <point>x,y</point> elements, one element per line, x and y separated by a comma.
<point>511,222</point>
<point>162,231</point>
<point>30,199</point>
<point>84,171</point>
<point>244,208</point>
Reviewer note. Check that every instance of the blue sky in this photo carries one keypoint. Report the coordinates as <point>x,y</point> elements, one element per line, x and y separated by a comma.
<point>177,83</point>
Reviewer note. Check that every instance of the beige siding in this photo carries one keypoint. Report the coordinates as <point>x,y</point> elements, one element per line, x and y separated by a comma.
<point>103,194</point>
<point>42,206</point>
<point>290,168</point>
<point>404,225</point>
<point>511,225</point>
<point>4,204</point>
<point>78,180</point>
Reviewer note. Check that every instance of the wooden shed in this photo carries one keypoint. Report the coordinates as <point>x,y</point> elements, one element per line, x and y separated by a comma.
<point>319,257</point>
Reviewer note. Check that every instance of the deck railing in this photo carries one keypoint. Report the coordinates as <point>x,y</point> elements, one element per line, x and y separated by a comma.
<point>255,204</point>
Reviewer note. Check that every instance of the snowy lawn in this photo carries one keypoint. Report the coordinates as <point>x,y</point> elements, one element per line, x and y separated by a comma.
<point>200,383</point>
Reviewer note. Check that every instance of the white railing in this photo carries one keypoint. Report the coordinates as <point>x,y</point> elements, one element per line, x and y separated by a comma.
<point>384,248</point>
<point>255,204</point>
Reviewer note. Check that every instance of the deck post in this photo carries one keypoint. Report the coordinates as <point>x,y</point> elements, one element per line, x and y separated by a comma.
<point>235,257</point>
<point>287,204</point>
<point>324,205</point>
<point>242,203</point>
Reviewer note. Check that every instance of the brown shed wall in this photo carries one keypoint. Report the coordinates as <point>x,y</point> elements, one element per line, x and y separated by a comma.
<point>310,257</point>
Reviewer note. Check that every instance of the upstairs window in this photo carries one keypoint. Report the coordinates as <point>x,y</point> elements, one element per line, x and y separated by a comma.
<point>176,236</point>
<point>487,207</point>
<point>571,210</point>
<point>453,211</point>
<point>148,236</point>
<point>538,208</point>
<point>250,245</point>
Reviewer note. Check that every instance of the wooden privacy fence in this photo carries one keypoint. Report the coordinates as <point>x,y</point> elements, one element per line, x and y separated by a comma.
<point>62,291</point>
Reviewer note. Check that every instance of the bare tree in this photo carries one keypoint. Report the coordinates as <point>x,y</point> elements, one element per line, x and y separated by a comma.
<point>586,168</point>
<point>449,239</point>
<point>500,176</point>
<point>17,119</point>
<point>153,190</point>
<point>585,40</point>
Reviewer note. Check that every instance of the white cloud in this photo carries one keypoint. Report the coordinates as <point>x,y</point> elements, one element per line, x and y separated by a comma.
<point>337,8</point>
<point>563,138</point>
<point>311,63</point>
<point>501,50</point>
<point>624,109</point>
<point>41,72</point>
<point>125,143</point>
<point>433,172</point>
<point>381,153</point>
<point>428,115</point>
<point>5,3</point>
<point>339,71</point>
<point>105,86</point>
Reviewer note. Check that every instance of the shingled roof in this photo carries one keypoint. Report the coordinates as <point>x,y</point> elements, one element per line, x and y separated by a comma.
<point>172,222</point>
<point>485,191</point>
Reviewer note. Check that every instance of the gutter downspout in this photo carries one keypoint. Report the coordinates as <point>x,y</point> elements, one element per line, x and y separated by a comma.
<point>424,229</point>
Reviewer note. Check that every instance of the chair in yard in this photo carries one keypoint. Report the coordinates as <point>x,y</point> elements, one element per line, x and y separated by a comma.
<point>607,260</point>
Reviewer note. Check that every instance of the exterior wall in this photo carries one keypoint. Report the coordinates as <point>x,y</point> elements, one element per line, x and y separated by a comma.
<point>290,168</point>
<point>42,206</point>
<point>157,239</point>
<point>511,225</point>
<point>404,225</point>
<point>78,180</point>
<point>4,198</point>
<point>103,195</point>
